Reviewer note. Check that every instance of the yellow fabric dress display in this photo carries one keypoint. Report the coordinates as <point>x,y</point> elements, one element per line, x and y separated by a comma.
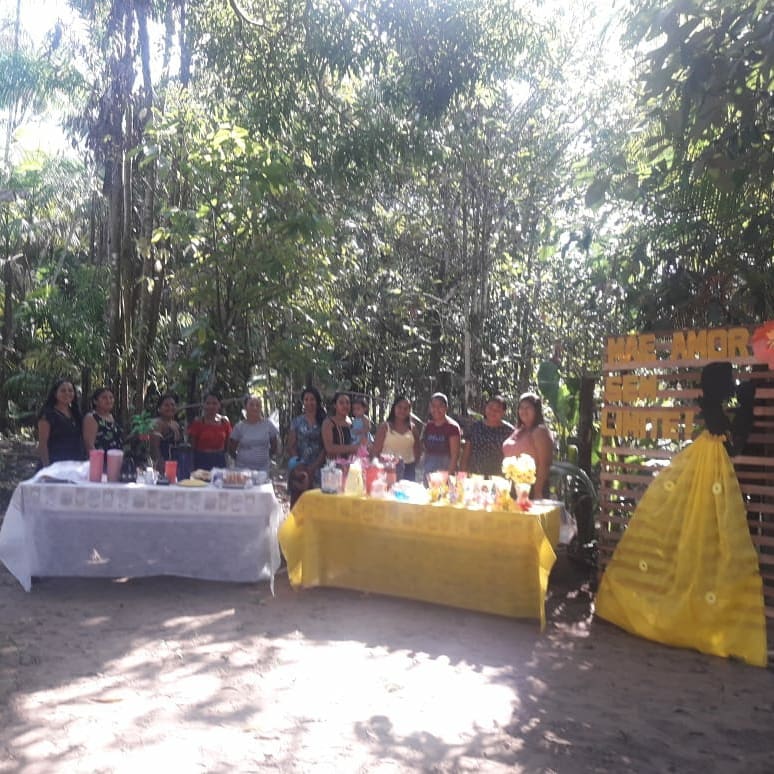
<point>685,572</point>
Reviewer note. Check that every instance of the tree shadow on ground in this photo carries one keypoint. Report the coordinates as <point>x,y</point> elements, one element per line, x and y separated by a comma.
<point>304,680</point>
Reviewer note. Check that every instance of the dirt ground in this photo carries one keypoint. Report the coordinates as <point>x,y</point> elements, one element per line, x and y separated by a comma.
<point>169,674</point>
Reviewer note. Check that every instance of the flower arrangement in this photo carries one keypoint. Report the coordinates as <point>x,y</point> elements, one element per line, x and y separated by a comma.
<point>520,470</point>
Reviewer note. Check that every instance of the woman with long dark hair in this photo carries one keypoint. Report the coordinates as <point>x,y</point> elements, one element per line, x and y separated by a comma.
<point>100,428</point>
<point>337,429</point>
<point>305,446</point>
<point>59,425</point>
<point>532,437</point>
<point>399,436</point>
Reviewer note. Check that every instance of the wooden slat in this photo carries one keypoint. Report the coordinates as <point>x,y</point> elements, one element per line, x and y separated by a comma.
<point>754,475</point>
<point>752,489</point>
<point>623,465</point>
<point>633,451</point>
<point>761,438</point>
<point>760,508</point>
<point>747,459</point>
<point>631,478</point>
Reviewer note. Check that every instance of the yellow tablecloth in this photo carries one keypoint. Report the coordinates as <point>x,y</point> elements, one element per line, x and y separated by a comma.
<point>491,561</point>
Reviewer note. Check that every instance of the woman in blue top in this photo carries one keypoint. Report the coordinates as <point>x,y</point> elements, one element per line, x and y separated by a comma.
<point>59,425</point>
<point>305,446</point>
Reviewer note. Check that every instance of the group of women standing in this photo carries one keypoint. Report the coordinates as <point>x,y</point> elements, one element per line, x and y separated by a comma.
<point>64,434</point>
<point>251,442</point>
<point>316,436</point>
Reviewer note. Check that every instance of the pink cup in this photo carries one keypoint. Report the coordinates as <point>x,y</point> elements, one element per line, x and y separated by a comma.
<point>170,471</point>
<point>96,465</point>
<point>115,459</point>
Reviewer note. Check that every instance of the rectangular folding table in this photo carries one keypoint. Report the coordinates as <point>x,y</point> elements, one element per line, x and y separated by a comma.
<point>132,530</point>
<point>492,561</point>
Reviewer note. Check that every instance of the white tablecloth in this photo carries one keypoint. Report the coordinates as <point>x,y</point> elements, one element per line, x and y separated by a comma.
<point>131,530</point>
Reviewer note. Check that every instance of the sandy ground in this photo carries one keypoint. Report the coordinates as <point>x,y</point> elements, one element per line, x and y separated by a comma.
<point>168,674</point>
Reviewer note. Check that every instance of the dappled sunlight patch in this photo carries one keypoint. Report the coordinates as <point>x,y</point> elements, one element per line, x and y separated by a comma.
<point>338,682</point>
<point>98,620</point>
<point>189,622</point>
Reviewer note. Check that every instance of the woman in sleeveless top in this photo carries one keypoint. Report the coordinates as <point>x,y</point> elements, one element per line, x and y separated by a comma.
<point>209,435</point>
<point>305,446</point>
<point>59,425</point>
<point>532,437</point>
<point>399,435</point>
<point>336,429</point>
<point>100,429</point>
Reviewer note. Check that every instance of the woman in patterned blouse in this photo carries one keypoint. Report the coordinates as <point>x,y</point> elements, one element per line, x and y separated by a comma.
<point>483,452</point>
<point>100,429</point>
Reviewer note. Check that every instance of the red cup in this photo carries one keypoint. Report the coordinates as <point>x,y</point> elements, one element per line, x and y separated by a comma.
<point>96,465</point>
<point>115,459</point>
<point>170,471</point>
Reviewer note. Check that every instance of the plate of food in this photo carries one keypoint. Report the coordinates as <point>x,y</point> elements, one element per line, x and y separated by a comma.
<point>192,482</point>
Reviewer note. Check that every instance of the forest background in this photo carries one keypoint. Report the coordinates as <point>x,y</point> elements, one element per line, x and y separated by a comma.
<point>377,195</point>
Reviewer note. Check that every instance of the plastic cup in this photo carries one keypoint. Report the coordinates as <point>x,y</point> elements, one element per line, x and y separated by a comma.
<point>96,465</point>
<point>170,471</point>
<point>115,459</point>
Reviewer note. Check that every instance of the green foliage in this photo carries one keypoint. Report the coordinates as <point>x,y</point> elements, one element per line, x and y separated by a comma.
<point>245,244</point>
<point>700,253</point>
<point>141,424</point>
<point>24,390</point>
<point>63,320</point>
<point>383,195</point>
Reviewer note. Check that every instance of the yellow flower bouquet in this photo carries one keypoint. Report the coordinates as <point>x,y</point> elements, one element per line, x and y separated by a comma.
<point>520,470</point>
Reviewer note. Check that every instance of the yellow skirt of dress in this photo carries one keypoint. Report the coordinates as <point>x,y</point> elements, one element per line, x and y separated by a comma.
<point>685,572</point>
